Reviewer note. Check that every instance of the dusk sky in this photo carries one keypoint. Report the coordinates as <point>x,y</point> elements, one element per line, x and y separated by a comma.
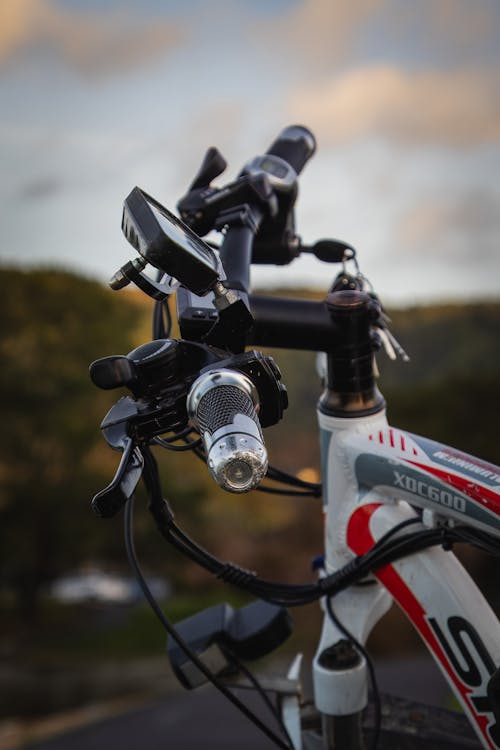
<point>98,96</point>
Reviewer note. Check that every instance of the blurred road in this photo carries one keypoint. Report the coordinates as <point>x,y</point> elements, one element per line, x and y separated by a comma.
<point>185,721</point>
<point>181,722</point>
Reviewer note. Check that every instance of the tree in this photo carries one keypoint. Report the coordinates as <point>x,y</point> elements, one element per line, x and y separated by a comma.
<point>52,457</point>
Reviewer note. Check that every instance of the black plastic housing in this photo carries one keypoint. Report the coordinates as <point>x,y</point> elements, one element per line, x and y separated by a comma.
<point>167,243</point>
<point>249,633</point>
<point>295,145</point>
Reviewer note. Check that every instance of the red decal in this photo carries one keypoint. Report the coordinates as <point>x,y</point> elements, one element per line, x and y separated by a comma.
<point>480,494</point>
<point>360,540</point>
<point>403,444</point>
<point>381,437</point>
<point>391,438</point>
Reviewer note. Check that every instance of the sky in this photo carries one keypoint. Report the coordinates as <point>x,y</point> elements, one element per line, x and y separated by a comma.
<point>97,96</point>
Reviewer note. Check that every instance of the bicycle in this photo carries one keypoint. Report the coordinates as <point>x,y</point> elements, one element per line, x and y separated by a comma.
<point>395,503</point>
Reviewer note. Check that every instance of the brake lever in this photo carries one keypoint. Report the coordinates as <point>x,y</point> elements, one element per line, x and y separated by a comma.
<point>391,345</point>
<point>212,166</point>
<point>112,498</point>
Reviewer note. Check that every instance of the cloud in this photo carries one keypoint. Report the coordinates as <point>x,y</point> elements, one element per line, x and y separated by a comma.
<point>92,42</point>
<point>458,24</point>
<point>463,227</point>
<point>314,33</point>
<point>17,19</point>
<point>40,188</point>
<point>319,33</point>
<point>325,29</point>
<point>449,107</point>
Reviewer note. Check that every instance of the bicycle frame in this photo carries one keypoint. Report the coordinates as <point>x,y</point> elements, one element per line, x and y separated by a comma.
<point>373,474</point>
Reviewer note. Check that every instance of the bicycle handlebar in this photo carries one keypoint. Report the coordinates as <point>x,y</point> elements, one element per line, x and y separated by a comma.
<point>274,180</point>
<point>295,145</point>
<point>236,249</point>
<point>292,324</point>
<point>222,403</point>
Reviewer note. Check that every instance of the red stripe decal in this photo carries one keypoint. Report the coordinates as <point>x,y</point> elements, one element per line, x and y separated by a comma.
<point>480,494</point>
<point>360,540</point>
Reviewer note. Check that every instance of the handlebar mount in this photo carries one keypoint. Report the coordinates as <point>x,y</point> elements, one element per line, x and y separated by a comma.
<point>169,380</point>
<point>165,378</point>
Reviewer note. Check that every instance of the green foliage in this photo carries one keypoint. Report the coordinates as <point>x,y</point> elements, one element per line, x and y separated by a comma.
<point>444,341</point>
<point>75,633</point>
<point>54,325</point>
<point>457,411</point>
<point>449,389</point>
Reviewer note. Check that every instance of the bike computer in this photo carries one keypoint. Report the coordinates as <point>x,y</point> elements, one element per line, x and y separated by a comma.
<point>167,243</point>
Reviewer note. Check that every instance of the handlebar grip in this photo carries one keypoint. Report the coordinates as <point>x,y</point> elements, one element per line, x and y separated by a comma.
<point>222,406</point>
<point>295,144</point>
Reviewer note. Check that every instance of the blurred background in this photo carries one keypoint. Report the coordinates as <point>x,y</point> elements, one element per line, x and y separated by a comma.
<point>101,95</point>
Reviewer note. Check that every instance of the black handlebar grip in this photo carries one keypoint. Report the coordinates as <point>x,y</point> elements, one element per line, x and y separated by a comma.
<point>295,145</point>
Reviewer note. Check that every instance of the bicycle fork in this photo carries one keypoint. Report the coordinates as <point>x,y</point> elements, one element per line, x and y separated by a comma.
<point>340,673</point>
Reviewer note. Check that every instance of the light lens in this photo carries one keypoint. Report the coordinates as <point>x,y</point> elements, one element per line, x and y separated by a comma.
<point>238,474</point>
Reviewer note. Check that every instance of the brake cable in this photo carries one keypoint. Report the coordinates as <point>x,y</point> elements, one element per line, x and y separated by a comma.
<point>173,633</point>
<point>389,548</point>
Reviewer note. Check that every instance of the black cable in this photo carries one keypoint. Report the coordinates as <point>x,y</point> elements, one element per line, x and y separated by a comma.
<point>404,546</point>
<point>260,690</point>
<point>482,539</point>
<point>388,549</point>
<point>179,435</point>
<point>288,595</point>
<point>278,475</point>
<point>277,491</point>
<point>308,489</point>
<point>158,322</point>
<point>162,317</point>
<point>199,453</point>
<point>189,445</point>
<point>377,720</point>
<point>395,529</point>
<point>371,561</point>
<point>168,317</point>
<point>164,313</point>
<point>173,633</point>
<point>281,594</point>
